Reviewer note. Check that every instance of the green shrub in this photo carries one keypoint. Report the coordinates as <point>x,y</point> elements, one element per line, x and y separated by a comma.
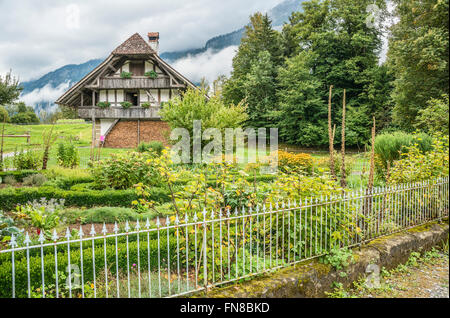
<point>390,146</point>
<point>9,180</point>
<point>145,105</point>
<point>34,180</point>
<point>123,171</point>
<point>67,155</point>
<point>83,186</point>
<point>152,74</point>
<point>21,278</point>
<point>156,146</point>
<point>27,160</point>
<point>19,175</point>
<point>11,197</point>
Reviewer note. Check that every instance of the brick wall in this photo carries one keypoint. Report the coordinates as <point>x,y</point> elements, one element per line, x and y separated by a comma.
<point>125,133</point>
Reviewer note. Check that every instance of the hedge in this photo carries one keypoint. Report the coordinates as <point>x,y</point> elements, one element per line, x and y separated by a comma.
<point>21,280</point>
<point>11,197</point>
<point>18,175</point>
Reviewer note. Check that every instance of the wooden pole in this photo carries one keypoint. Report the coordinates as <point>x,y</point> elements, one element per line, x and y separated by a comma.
<point>372,158</point>
<point>331,137</point>
<point>93,126</point>
<point>1,146</point>
<point>343,176</point>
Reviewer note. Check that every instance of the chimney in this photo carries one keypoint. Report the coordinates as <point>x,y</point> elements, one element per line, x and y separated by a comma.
<point>153,40</point>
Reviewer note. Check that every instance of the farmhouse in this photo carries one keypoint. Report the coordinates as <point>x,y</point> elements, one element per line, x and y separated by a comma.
<point>124,93</point>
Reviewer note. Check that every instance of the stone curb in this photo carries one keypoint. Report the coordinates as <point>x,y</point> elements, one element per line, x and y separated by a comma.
<point>311,279</point>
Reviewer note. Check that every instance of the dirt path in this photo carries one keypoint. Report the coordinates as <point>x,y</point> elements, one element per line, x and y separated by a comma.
<point>427,277</point>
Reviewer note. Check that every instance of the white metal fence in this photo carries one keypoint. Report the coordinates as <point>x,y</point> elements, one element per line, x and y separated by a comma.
<point>179,256</point>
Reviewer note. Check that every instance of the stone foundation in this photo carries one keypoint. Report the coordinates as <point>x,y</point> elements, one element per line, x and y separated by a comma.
<point>129,133</point>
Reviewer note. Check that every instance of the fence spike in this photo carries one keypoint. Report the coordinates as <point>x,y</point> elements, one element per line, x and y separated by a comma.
<point>243,210</point>
<point>80,232</point>
<point>54,236</point>
<point>67,234</point>
<point>220,213</point>
<point>158,223</point>
<point>27,239</point>
<point>167,221</point>
<point>138,226</point>
<point>228,212</point>
<point>13,242</point>
<point>104,231</point>
<point>212,214</point>
<point>195,218</point>
<point>116,228</point>
<point>41,238</point>
<point>127,226</point>
<point>92,233</point>
<point>177,220</point>
<point>186,218</point>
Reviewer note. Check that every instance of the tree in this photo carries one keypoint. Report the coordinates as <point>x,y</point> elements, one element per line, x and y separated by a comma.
<point>181,112</point>
<point>27,117</point>
<point>301,113</point>
<point>4,116</point>
<point>260,90</point>
<point>434,118</point>
<point>9,89</point>
<point>259,36</point>
<point>418,56</point>
<point>343,51</point>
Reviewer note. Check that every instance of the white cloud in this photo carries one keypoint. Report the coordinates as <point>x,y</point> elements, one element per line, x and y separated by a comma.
<point>44,94</point>
<point>39,36</point>
<point>209,64</point>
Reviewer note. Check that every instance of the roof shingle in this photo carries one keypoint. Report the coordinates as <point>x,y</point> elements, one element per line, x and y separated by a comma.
<point>134,45</point>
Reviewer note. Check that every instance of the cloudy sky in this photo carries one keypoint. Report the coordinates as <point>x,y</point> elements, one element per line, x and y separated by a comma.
<point>39,36</point>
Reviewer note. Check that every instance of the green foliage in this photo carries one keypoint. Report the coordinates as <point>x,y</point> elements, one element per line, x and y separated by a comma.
<point>7,228</point>
<point>417,166</point>
<point>11,197</point>
<point>145,105</point>
<point>123,171</point>
<point>9,88</point>
<point>126,105</point>
<point>28,117</point>
<point>39,216</point>
<point>152,74</point>
<point>34,180</point>
<point>390,146</point>
<point>68,155</point>
<point>9,180</point>
<point>434,118</point>
<point>126,74</point>
<point>418,56</point>
<point>181,111</point>
<point>27,159</point>
<point>4,117</point>
<point>154,146</point>
<point>19,175</point>
<point>103,104</point>
<point>339,258</point>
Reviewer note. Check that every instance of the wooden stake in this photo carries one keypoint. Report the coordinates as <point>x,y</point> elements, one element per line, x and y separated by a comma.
<point>372,158</point>
<point>331,137</point>
<point>343,177</point>
<point>1,146</point>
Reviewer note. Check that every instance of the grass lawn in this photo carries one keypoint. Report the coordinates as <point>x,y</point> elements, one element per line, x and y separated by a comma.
<point>82,131</point>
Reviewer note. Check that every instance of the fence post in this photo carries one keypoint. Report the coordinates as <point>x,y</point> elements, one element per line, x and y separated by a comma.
<point>205,259</point>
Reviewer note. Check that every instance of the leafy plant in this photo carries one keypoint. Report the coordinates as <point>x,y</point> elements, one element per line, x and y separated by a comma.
<point>26,160</point>
<point>7,228</point>
<point>103,104</point>
<point>152,74</point>
<point>34,180</point>
<point>68,155</point>
<point>126,74</point>
<point>154,146</point>
<point>339,258</point>
<point>126,105</point>
<point>145,105</point>
<point>10,180</point>
<point>41,216</point>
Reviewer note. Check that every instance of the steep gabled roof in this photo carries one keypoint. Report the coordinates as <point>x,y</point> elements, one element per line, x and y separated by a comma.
<point>134,45</point>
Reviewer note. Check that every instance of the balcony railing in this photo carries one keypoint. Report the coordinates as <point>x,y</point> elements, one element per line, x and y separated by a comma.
<point>120,113</point>
<point>133,83</point>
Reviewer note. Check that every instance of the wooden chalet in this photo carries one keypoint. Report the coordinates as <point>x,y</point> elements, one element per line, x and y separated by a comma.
<point>151,83</point>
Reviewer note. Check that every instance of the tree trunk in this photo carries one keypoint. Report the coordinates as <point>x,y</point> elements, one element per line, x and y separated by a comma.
<point>343,176</point>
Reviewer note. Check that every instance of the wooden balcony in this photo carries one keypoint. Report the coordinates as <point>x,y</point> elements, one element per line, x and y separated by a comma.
<point>134,83</point>
<point>120,113</point>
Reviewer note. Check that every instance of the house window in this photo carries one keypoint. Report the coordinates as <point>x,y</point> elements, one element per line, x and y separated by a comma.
<point>132,97</point>
<point>137,68</point>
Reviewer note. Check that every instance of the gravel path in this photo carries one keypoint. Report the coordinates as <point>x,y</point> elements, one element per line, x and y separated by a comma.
<point>427,279</point>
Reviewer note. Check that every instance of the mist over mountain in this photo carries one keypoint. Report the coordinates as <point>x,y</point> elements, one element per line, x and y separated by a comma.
<point>213,59</point>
